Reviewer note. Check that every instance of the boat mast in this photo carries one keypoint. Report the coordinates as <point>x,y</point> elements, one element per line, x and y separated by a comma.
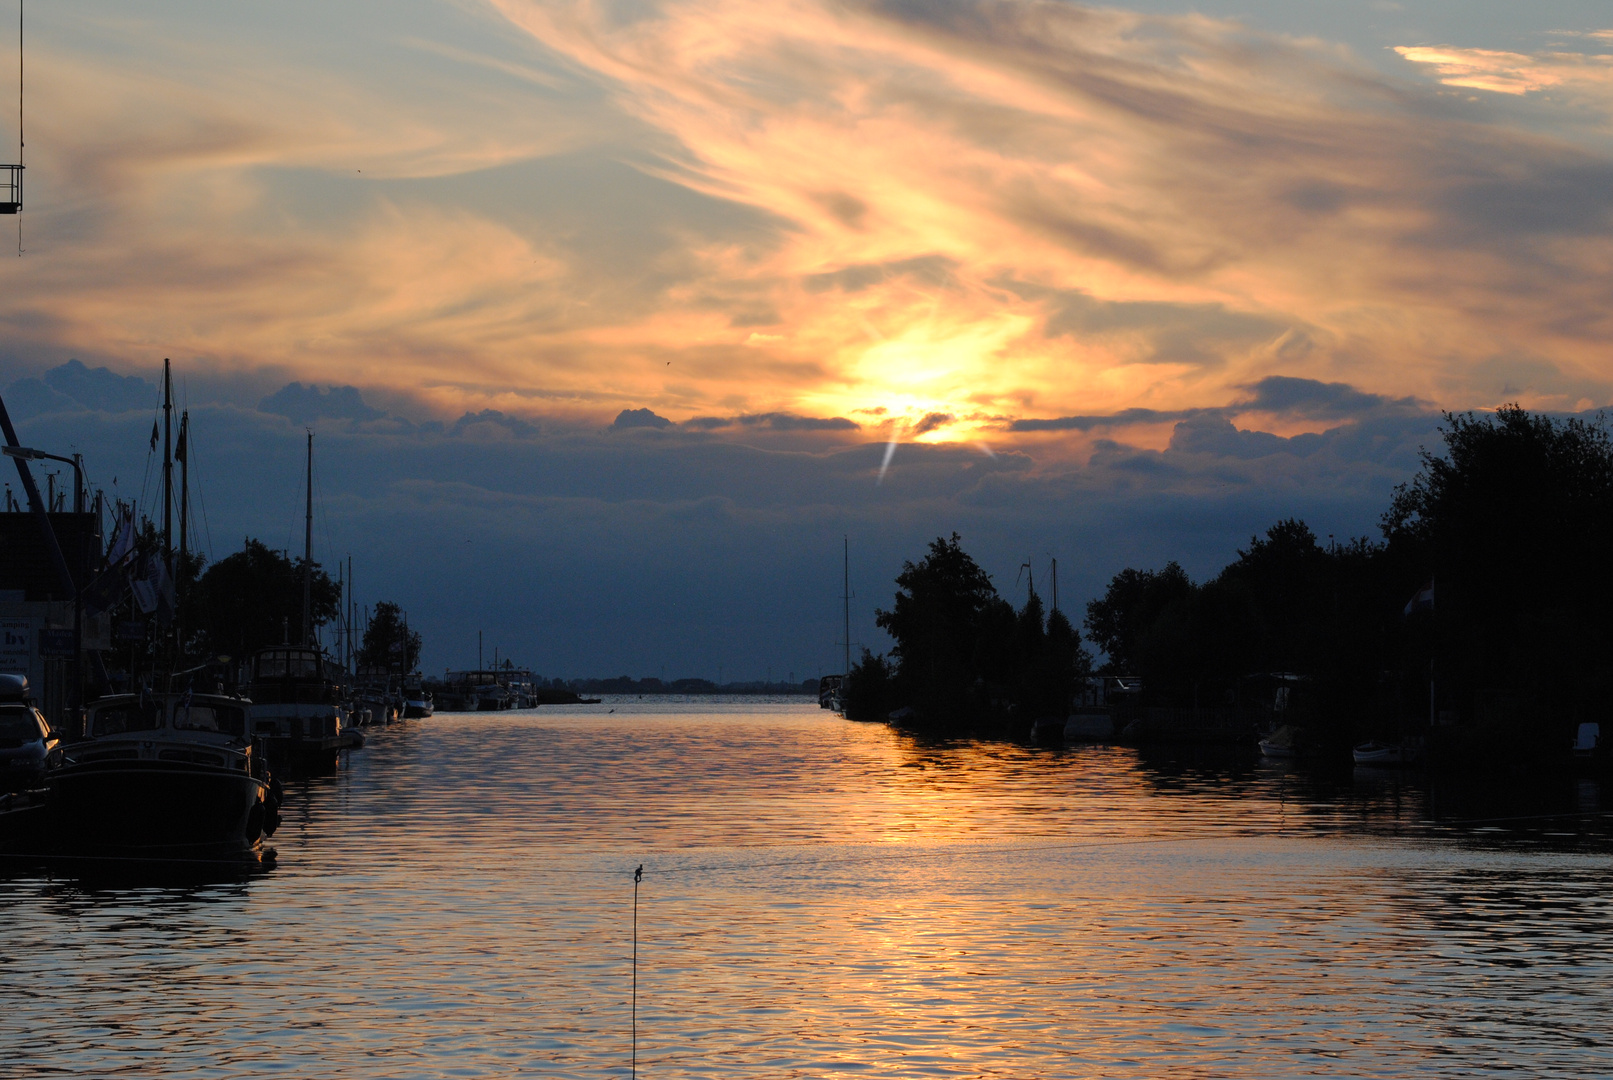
<point>183,454</point>
<point>341,623</point>
<point>167,465</point>
<point>308,551</point>
<point>845,595</point>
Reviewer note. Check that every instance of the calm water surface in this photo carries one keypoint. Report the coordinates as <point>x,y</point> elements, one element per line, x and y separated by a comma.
<point>826,899</point>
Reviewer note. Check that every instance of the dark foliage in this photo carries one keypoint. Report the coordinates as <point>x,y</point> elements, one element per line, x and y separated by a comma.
<point>253,599</point>
<point>963,654</point>
<point>389,644</point>
<point>869,689</point>
<point>1514,523</point>
<point>1511,522</point>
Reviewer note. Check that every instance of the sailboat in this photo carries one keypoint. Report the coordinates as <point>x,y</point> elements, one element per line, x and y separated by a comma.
<point>163,774</point>
<point>299,709</point>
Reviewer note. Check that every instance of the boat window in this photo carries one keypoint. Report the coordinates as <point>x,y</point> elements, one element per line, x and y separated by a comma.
<point>220,718</point>
<point>118,719</point>
<point>282,665</point>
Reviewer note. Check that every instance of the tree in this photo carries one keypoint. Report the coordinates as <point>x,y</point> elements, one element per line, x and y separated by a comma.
<point>253,599</point>
<point>868,689</point>
<point>388,641</point>
<point>964,654</point>
<point>1128,612</point>
<point>1511,522</point>
<point>935,620</point>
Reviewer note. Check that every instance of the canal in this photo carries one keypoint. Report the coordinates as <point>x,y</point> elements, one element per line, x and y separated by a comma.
<point>827,899</point>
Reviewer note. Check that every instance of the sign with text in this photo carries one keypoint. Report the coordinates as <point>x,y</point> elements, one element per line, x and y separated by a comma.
<point>57,644</point>
<point>17,646</point>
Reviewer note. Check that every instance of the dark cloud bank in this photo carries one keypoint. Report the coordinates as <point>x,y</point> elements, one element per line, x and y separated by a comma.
<point>717,540</point>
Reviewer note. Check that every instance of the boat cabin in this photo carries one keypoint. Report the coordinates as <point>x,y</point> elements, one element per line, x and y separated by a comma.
<point>293,675</point>
<point>201,729</point>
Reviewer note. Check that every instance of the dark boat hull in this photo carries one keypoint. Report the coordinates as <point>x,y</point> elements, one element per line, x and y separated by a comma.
<point>154,809</point>
<point>304,755</point>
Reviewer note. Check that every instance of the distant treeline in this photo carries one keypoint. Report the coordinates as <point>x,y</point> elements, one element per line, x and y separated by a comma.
<point>624,684</point>
<point>1492,582</point>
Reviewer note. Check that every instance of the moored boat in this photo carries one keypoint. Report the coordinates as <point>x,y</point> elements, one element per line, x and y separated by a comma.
<point>1281,744</point>
<point>297,710</point>
<point>417,703</point>
<point>162,776</point>
<point>1384,754</point>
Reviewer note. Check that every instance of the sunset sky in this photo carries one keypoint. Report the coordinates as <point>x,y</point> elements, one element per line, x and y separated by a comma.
<point>1113,284</point>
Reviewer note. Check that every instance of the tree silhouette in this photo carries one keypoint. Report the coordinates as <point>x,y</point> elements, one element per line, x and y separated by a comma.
<point>388,642</point>
<point>253,599</point>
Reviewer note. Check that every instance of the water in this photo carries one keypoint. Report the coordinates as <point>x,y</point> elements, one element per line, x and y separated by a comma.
<point>828,899</point>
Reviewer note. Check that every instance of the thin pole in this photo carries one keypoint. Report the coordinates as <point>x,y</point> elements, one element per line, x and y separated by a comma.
<point>1055,583</point>
<point>20,142</point>
<point>846,596</point>
<point>308,551</point>
<point>184,488</point>
<point>167,465</point>
<point>638,876</point>
<point>184,518</point>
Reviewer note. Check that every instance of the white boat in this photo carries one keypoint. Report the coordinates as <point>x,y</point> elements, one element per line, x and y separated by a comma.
<point>1280,744</point>
<point>417,703</point>
<point>1374,752</point>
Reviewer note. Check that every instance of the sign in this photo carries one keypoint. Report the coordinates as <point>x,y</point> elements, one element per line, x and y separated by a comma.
<point>56,643</point>
<point>130,630</point>
<point>17,646</point>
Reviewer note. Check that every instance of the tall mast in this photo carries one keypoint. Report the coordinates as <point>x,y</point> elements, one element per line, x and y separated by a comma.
<point>846,596</point>
<point>1055,583</point>
<point>167,464</point>
<point>308,552</point>
<point>184,486</point>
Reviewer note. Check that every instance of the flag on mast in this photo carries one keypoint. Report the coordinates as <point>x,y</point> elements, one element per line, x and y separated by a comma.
<point>1423,601</point>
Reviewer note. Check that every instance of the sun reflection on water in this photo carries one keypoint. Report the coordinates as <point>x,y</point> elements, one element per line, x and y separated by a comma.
<point>831,899</point>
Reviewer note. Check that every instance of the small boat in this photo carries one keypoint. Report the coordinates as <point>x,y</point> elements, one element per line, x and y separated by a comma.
<point>162,776</point>
<point>1374,752</point>
<point>417,703</point>
<point>374,706</point>
<point>1281,744</point>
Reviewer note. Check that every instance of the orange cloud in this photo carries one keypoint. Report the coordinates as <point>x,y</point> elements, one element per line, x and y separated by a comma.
<point>978,211</point>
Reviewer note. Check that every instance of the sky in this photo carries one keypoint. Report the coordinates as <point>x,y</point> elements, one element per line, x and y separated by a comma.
<point>614,320</point>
